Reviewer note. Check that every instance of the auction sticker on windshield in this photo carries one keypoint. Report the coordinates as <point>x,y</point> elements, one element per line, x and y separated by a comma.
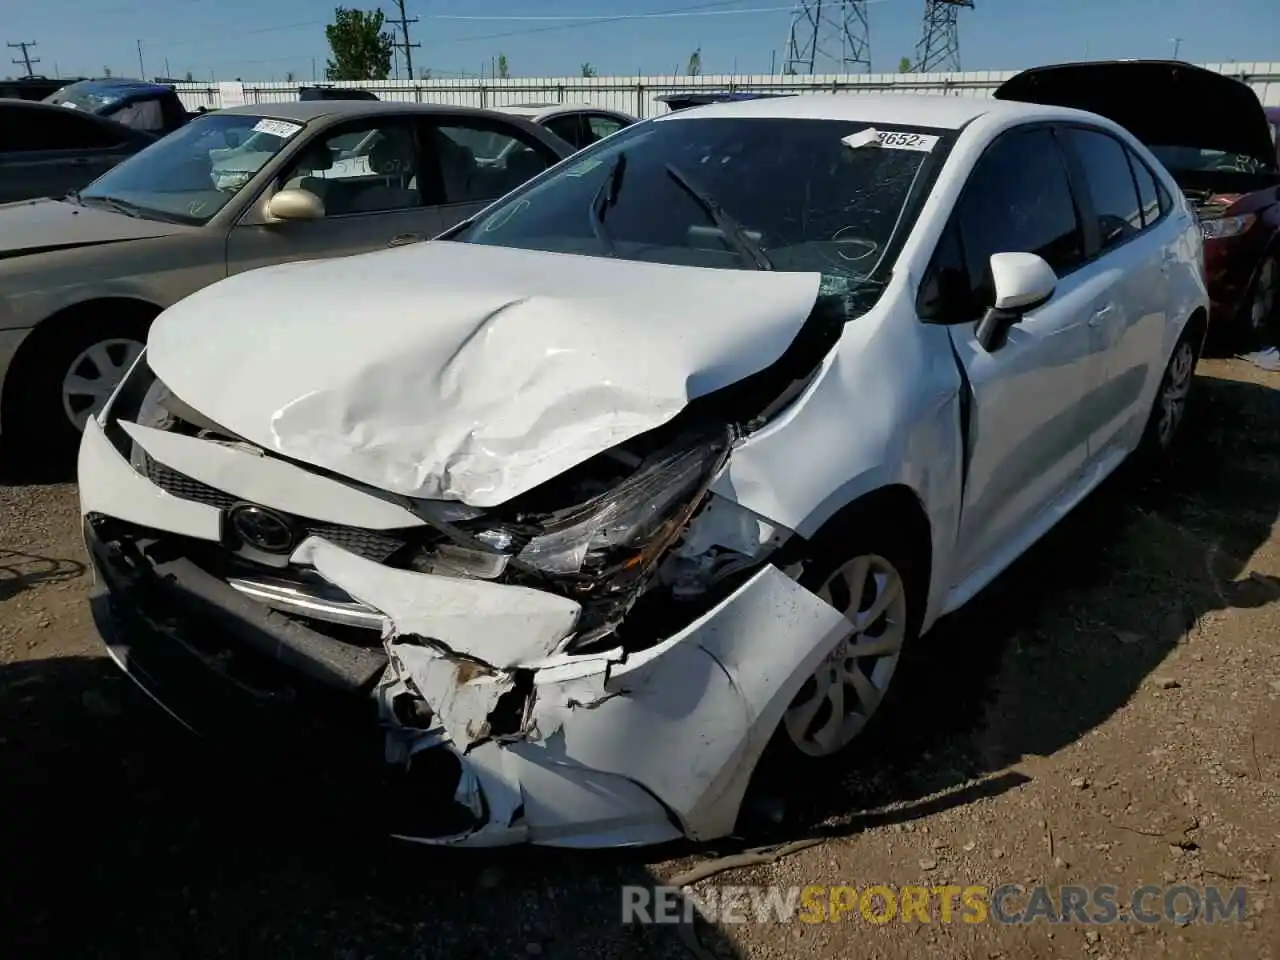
<point>893,139</point>
<point>277,128</point>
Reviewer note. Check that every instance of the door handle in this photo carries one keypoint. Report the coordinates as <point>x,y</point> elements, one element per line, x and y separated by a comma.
<point>1101,314</point>
<point>405,238</point>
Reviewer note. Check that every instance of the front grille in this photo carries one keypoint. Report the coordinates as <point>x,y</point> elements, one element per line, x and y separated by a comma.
<point>376,545</point>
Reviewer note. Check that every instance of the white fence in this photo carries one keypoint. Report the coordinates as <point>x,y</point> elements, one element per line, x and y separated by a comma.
<point>636,95</point>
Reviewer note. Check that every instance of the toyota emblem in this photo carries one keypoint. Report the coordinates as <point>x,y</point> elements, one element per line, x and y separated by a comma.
<point>264,529</point>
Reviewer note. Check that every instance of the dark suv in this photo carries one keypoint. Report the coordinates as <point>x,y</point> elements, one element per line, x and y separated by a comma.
<point>150,107</point>
<point>334,93</point>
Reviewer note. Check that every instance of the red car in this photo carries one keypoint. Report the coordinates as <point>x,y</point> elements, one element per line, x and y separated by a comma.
<point>1213,135</point>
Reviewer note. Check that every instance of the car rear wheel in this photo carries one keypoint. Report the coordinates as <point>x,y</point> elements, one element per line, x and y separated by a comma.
<point>66,373</point>
<point>1170,407</point>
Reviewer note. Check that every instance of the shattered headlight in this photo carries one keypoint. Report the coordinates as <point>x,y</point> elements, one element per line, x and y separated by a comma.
<point>626,528</point>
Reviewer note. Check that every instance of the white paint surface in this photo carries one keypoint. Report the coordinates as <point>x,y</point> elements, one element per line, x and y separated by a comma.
<point>464,372</point>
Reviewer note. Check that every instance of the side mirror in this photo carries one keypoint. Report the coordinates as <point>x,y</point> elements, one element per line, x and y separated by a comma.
<point>295,205</point>
<point>1023,281</point>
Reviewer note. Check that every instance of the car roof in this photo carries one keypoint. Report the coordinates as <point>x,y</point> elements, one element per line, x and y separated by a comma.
<point>918,110</point>
<point>117,85</point>
<point>305,111</point>
<point>539,110</point>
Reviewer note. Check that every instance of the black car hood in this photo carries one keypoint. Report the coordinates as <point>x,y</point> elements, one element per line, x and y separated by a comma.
<point>1161,102</point>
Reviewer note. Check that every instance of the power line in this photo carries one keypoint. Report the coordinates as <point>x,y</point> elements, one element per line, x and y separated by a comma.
<point>576,24</point>
<point>620,18</point>
<point>25,46</point>
<point>405,45</point>
<point>240,33</point>
<point>612,17</point>
<point>298,25</point>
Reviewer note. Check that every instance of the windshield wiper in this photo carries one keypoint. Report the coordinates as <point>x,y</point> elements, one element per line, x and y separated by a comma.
<point>605,198</point>
<point>735,234</point>
<point>119,206</point>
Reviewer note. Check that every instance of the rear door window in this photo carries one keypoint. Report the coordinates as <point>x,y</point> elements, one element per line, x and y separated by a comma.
<point>570,129</point>
<point>1148,189</point>
<point>507,159</point>
<point>146,115</point>
<point>1109,178</point>
<point>602,125</point>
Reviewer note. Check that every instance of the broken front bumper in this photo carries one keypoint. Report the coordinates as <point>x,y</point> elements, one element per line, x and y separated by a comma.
<point>608,749</point>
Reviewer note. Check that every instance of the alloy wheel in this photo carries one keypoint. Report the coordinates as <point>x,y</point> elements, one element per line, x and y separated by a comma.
<point>834,705</point>
<point>1174,392</point>
<point>94,375</point>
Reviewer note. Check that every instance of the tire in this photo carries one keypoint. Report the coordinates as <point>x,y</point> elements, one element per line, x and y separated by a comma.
<point>65,372</point>
<point>809,738</point>
<point>1169,409</point>
<point>1259,309</point>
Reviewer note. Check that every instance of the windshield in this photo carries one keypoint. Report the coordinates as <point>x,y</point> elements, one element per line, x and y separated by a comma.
<point>738,193</point>
<point>1201,160</point>
<point>194,172</point>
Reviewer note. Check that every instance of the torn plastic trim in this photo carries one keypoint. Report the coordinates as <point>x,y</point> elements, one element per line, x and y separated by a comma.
<point>682,724</point>
<point>500,624</point>
<point>528,797</point>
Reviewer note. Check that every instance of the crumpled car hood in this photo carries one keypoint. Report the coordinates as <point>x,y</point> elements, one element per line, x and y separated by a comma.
<point>466,372</point>
<point>38,225</point>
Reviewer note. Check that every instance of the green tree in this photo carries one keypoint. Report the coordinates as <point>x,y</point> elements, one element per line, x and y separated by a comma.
<point>189,77</point>
<point>694,68</point>
<point>424,73</point>
<point>503,71</point>
<point>904,65</point>
<point>588,70</point>
<point>361,50</point>
<point>106,71</point>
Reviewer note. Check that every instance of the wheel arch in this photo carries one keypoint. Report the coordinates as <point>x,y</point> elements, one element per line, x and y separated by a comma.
<point>1197,325</point>
<point>893,503</point>
<point>143,311</point>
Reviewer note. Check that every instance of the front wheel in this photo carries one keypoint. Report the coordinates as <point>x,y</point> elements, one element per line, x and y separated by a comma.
<point>869,574</point>
<point>66,375</point>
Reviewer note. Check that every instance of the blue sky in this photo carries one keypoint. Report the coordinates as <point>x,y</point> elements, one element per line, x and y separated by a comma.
<point>259,41</point>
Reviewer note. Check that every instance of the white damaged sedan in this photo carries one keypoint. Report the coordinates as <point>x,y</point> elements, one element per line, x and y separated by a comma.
<point>663,461</point>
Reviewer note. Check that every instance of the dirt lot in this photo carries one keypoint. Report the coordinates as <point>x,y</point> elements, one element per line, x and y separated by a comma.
<point>1108,712</point>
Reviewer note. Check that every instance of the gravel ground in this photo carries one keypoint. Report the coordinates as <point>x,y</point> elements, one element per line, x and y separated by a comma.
<point>1107,712</point>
